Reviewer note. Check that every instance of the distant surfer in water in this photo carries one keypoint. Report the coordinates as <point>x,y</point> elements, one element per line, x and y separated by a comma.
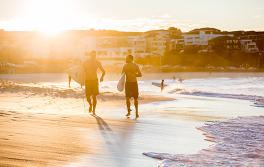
<point>90,67</point>
<point>69,80</point>
<point>162,85</point>
<point>180,80</point>
<point>132,71</point>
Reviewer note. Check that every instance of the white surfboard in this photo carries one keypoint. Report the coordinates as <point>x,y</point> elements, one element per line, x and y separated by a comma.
<point>121,83</point>
<point>77,74</point>
<point>158,84</point>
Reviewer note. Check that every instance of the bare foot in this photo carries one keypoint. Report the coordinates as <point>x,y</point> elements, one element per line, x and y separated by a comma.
<point>128,112</point>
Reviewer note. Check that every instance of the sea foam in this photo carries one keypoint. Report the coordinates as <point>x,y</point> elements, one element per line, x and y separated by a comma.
<point>237,142</point>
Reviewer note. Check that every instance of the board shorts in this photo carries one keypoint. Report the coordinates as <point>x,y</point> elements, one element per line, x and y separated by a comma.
<point>131,89</point>
<point>91,87</point>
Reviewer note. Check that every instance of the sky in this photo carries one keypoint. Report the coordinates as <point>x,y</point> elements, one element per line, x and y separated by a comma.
<point>131,15</point>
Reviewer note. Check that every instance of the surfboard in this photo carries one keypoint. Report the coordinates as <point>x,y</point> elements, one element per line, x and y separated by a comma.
<point>121,83</point>
<point>158,84</point>
<point>77,74</point>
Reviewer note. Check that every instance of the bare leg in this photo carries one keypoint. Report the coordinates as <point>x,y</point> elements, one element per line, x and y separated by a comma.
<point>128,106</point>
<point>94,103</point>
<point>136,106</point>
<point>90,103</point>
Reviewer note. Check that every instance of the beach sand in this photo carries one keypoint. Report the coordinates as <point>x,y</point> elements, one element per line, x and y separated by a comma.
<point>39,128</point>
<point>46,126</point>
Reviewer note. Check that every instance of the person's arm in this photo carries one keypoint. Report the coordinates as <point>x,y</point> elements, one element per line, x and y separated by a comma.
<point>102,70</point>
<point>138,74</point>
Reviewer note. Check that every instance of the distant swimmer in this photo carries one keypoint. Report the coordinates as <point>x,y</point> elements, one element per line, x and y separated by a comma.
<point>180,80</point>
<point>90,67</point>
<point>131,71</point>
<point>162,85</point>
<point>69,80</point>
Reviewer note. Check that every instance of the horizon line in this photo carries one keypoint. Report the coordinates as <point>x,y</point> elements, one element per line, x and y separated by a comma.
<point>93,29</point>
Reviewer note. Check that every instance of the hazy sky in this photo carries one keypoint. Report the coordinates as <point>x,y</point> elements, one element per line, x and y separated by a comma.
<point>131,15</point>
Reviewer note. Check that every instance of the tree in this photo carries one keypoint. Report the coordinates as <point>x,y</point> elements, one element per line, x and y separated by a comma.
<point>175,32</point>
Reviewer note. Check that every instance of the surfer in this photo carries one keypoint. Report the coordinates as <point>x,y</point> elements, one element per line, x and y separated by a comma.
<point>69,80</point>
<point>90,67</point>
<point>180,80</point>
<point>132,71</point>
<point>162,85</point>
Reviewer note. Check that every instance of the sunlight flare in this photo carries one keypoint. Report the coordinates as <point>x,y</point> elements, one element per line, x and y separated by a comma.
<point>49,17</point>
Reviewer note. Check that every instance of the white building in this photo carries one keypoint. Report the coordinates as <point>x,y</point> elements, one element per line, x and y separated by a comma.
<point>111,41</point>
<point>249,46</point>
<point>158,42</point>
<point>138,45</point>
<point>176,44</point>
<point>201,38</point>
<point>111,47</point>
<point>118,52</point>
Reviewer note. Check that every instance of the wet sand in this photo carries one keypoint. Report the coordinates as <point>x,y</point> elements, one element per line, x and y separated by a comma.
<point>46,126</point>
<point>63,134</point>
<point>37,140</point>
<point>54,131</point>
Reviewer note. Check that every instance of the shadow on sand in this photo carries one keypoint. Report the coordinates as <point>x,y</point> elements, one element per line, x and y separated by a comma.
<point>117,142</point>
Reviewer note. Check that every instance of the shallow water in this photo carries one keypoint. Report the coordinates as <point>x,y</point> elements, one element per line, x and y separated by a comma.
<point>238,142</point>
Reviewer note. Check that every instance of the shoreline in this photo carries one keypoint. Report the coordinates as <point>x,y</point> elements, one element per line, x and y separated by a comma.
<point>236,142</point>
<point>62,77</point>
<point>149,71</point>
<point>41,126</point>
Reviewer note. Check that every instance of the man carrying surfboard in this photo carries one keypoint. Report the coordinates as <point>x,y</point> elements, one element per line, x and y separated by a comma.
<point>90,67</point>
<point>132,71</point>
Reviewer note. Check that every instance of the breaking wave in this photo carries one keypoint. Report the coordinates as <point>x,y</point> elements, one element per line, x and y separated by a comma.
<point>51,90</point>
<point>258,100</point>
<point>238,142</point>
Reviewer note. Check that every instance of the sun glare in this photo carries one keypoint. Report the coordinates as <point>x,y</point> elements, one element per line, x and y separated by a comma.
<point>49,31</point>
<point>48,16</point>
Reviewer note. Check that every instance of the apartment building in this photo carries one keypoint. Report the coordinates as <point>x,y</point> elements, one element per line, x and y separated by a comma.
<point>138,45</point>
<point>249,46</point>
<point>157,42</point>
<point>176,44</point>
<point>117,52</point>
<point>201,38</point>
